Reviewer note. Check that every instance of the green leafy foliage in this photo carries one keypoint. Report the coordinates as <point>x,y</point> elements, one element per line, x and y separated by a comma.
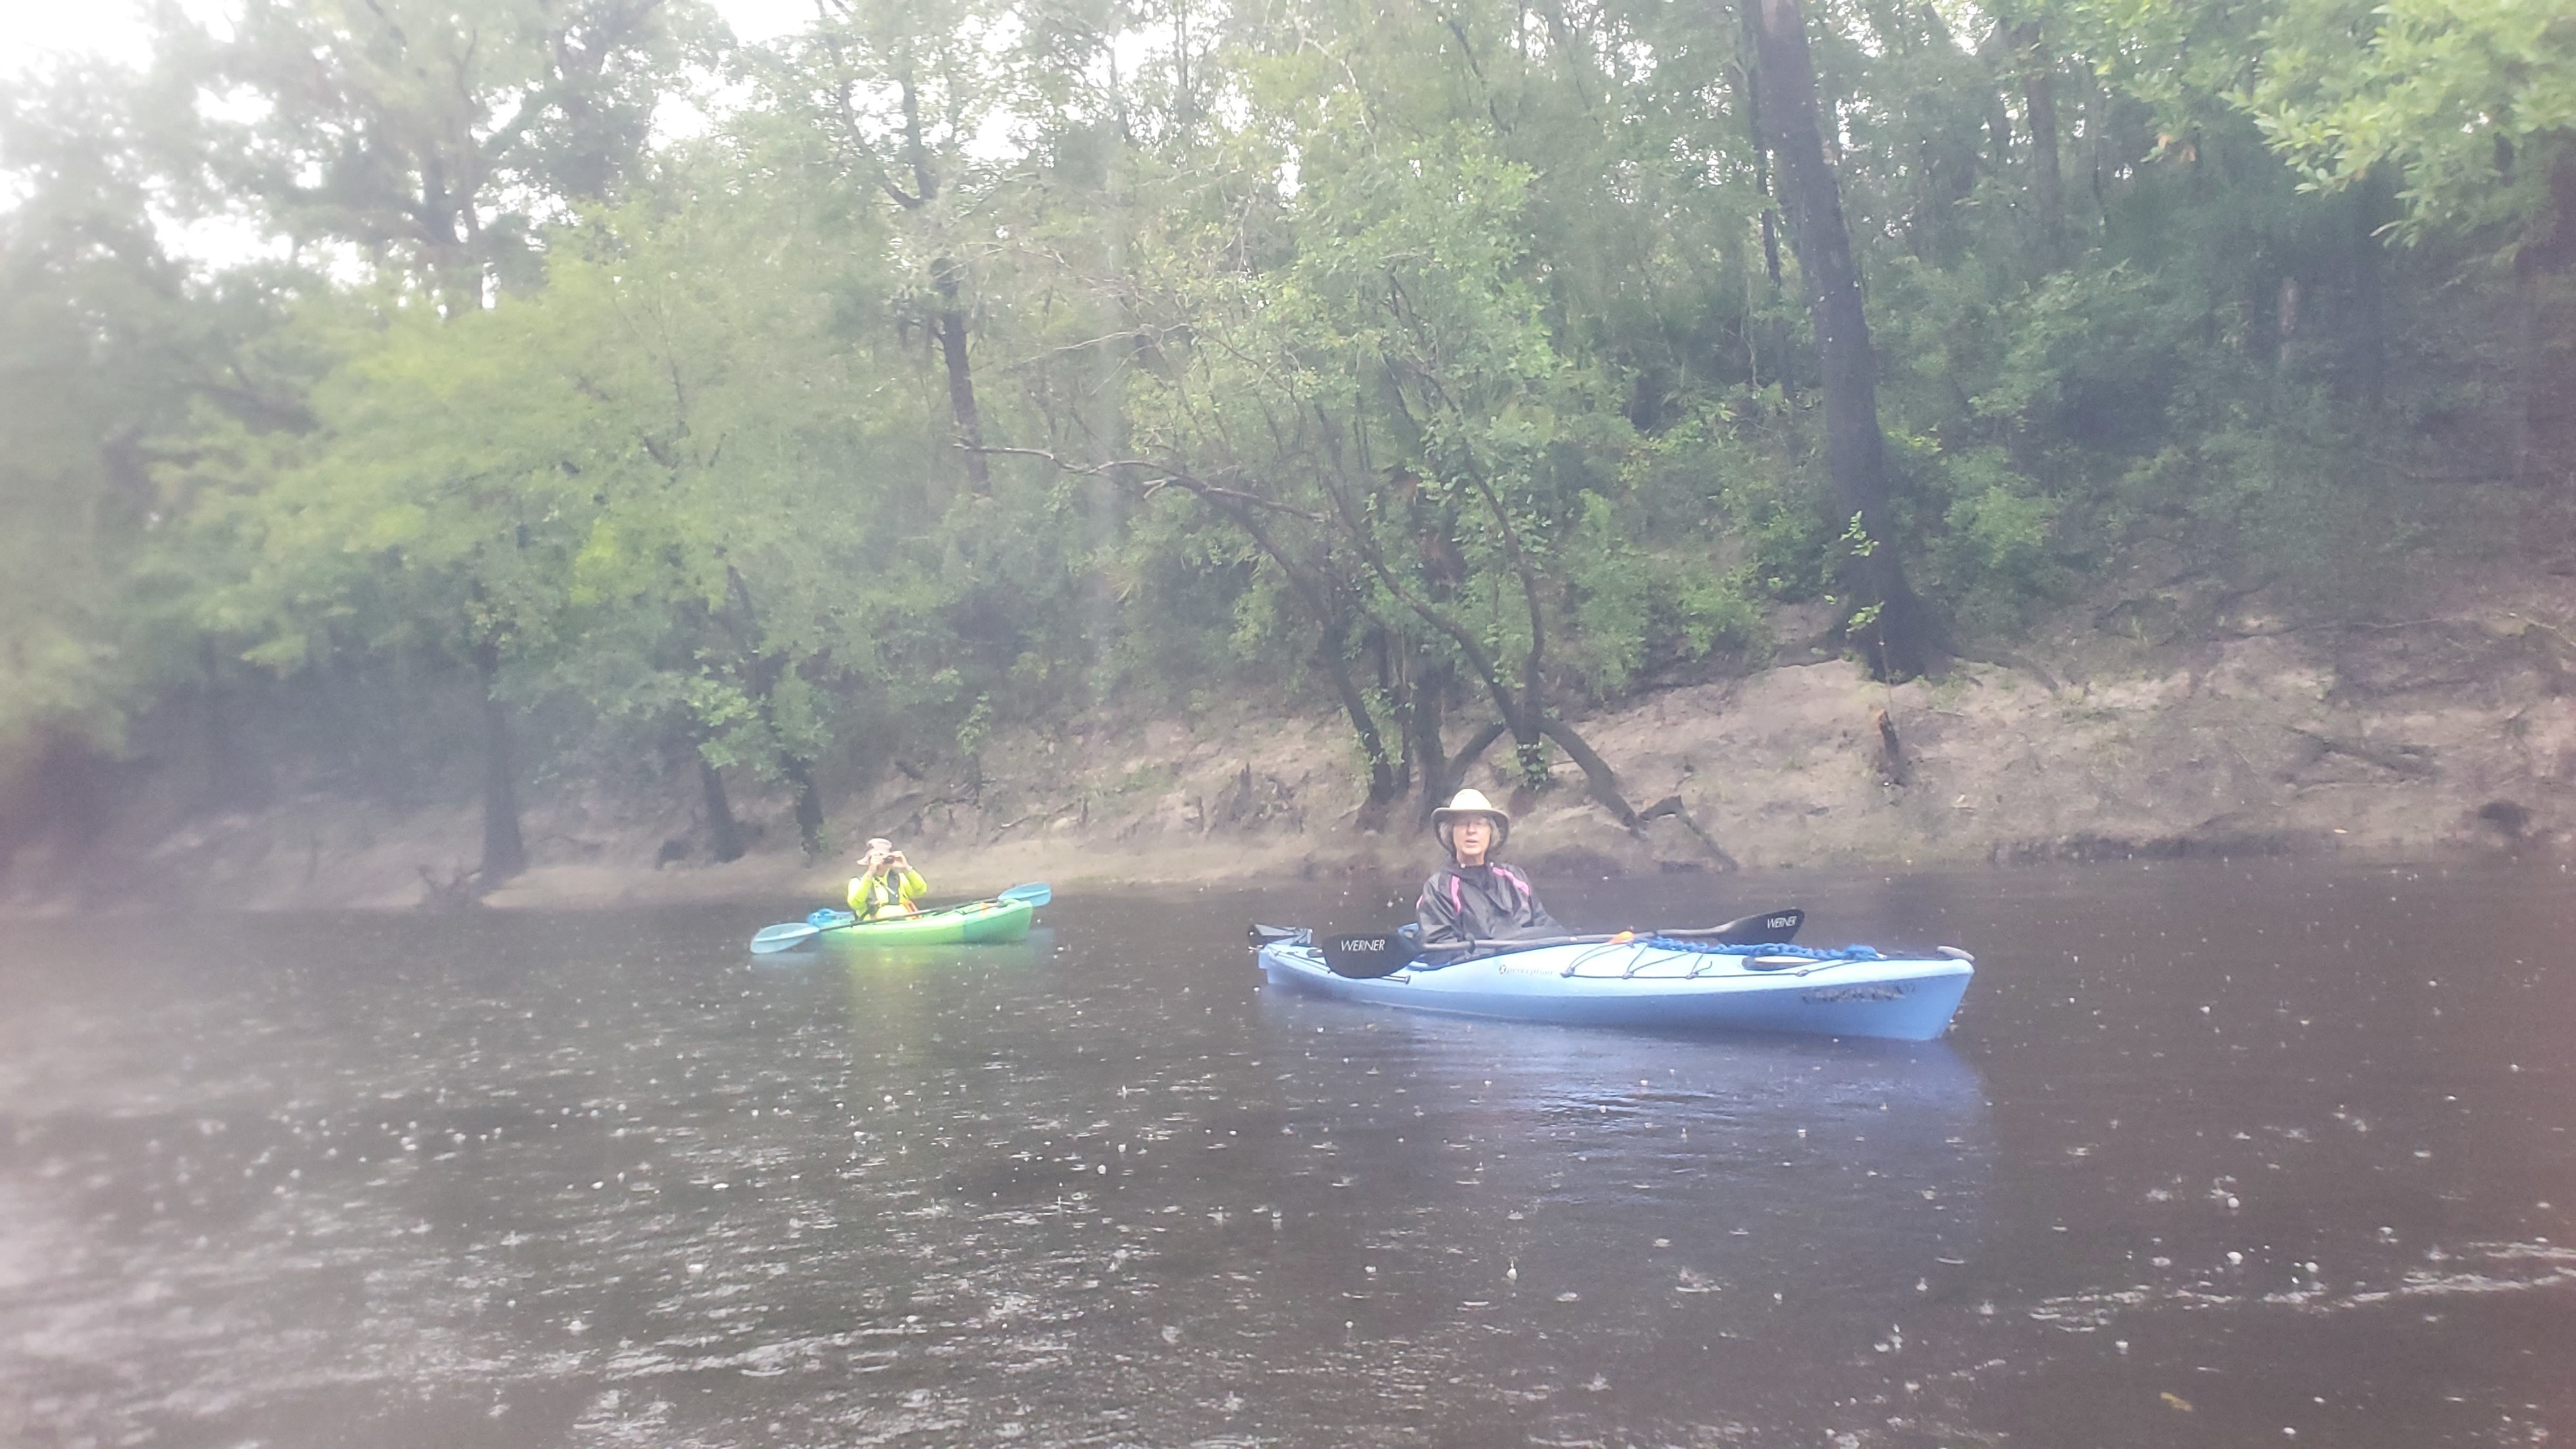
<point>2472,103</point>
<point>989,362</point>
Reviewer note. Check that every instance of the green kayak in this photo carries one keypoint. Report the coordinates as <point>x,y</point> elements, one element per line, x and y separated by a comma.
<point>975,923</point>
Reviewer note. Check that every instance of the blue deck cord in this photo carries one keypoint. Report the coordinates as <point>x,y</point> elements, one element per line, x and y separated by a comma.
<point>1812,953</point>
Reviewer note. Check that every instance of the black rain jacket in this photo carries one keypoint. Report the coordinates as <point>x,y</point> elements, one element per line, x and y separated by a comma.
<point>1462,903</point>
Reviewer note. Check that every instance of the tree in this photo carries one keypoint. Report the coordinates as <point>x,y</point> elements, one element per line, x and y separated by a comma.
<point>2471,106</point>
<point>432,138</point>
<point>1395,390</point>
<point>412,517</point>
<point>433,141</point>
<point>2473,102</point>
<point>108,344</point>
<point>1894,627</point>
<point>900,89</point>
<point>734,483</point>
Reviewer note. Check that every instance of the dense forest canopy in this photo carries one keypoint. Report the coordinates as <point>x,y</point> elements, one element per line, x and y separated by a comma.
<point>1449,365</point>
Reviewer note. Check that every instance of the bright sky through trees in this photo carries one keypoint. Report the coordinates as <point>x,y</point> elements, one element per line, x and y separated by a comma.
<point>33,30</point>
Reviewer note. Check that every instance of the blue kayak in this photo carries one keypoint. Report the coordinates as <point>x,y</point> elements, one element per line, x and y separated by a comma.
<point>1656,983</point>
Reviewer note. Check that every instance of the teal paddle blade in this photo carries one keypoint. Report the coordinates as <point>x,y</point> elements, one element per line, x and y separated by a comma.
<point>782,936</point>
<point>1034,893</point>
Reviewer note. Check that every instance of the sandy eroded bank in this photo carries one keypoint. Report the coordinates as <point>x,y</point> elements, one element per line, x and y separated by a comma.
<point>2454,732</point>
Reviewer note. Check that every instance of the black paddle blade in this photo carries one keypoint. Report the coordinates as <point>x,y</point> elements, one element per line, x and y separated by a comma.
<point>1365,958</point>
<point>1771,928</point>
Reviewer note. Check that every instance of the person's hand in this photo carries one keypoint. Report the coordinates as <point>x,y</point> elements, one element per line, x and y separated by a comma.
<point>898,862</point>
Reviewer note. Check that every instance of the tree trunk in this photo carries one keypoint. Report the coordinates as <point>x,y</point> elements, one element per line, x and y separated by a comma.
<point>2554,252</point>
<point>2285,325</point>
<point>760,681</point>
<point>1750,72</point>
<point>809,808</point>
<point>2370,292</point>
<point>1333,653</point>
<point>961,378</point>
<point>1324,601</point>
<point>1523,707</point>
<point>1751,76</point>
<point>1396,685</point>
<point>2097,124</point>
<point>1426,704</point>
<point>944,273</point>
<point>505,853</point>
<point>1596,772</point>
<point>724,833</point>
<point>2039,96</point>
<point>1890,623</point>
<point>223,772</point>
<point>233,780</point>
<point>454,274</point>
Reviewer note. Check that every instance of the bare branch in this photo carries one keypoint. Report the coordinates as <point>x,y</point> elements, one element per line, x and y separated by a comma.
<point>1165,477</point>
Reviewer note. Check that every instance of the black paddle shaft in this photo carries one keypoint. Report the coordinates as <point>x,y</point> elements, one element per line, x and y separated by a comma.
<point>1367,957</point>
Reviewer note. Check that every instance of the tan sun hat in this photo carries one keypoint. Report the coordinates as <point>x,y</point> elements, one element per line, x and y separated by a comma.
<point>1470,802</point>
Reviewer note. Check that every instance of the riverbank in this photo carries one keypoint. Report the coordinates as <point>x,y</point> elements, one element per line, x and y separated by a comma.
<point>2178,722</point>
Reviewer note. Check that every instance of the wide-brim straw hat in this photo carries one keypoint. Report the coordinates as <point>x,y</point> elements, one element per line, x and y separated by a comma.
<point>1470,802</point>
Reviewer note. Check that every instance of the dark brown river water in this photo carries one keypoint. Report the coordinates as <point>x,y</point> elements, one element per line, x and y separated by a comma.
<point>2216,1154</point>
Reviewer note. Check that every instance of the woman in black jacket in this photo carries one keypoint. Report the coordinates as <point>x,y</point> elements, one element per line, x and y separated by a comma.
<point>1474,897</point>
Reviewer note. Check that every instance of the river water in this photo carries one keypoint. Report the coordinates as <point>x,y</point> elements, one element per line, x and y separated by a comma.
<point>2216,1153</point>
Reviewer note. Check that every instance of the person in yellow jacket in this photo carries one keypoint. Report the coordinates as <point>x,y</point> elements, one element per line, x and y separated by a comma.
<point>886,884</point>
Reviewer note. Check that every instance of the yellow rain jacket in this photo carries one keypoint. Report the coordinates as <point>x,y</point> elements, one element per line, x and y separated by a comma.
<point>873,897</point>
